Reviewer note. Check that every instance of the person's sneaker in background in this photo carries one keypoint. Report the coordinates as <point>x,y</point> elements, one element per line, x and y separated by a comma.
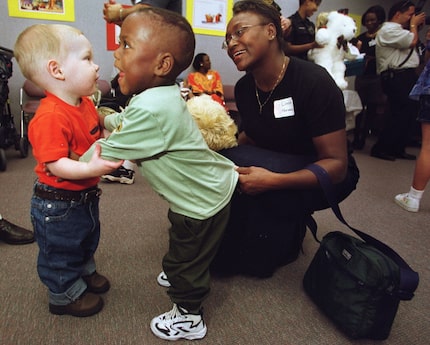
<point>121,175</point>
<point>408,203</point>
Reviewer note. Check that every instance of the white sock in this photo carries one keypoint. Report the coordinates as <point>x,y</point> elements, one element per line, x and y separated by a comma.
<point>416,194</point>
<point>128,165</point>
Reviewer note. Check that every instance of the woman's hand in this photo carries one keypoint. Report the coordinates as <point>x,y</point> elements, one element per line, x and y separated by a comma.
<point>332,156</point>
<point>255,180</point>
<point>111,12</point>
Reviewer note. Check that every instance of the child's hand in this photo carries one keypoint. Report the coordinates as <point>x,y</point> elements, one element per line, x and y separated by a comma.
<point>99,166</point>
<point>68,169</point>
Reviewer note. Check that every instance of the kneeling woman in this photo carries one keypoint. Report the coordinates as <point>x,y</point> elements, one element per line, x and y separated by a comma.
<point>292,114</point>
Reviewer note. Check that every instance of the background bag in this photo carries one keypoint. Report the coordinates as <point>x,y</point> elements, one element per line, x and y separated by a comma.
<point>357,284</point>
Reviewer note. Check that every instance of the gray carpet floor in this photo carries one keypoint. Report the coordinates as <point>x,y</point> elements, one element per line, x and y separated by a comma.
<point>240,310</point>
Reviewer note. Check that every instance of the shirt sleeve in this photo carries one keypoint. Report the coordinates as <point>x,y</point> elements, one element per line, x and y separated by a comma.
<point>397,38</point>
<point>137,135</point>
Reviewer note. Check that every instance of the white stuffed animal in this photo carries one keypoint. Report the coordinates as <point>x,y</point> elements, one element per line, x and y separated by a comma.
<point>217,127</point>
<point>334,30</point>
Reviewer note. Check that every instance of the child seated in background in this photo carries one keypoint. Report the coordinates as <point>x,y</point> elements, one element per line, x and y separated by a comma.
<point>157,132</point>
<point>65,202</point>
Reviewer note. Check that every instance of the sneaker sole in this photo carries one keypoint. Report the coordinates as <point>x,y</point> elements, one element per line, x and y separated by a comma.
<point>191,336</point>
<point>117,179</point>
<point>407,208</point>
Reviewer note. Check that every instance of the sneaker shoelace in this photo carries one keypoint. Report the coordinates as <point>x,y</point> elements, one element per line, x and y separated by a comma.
<point>173,314</point>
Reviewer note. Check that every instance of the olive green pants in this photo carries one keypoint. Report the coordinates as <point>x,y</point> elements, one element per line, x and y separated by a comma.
<point>193,245</point>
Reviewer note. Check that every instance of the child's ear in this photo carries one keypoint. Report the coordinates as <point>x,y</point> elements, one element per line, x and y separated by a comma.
<point>54,70</point>
<point>165,64</point>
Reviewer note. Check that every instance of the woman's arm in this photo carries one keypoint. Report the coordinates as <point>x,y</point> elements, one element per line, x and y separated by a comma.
<point>332,156</point>
<point>116,13</point>
<point>296,49</point>
<point>218,90</point>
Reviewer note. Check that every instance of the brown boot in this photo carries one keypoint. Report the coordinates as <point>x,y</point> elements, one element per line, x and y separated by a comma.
<point>14,234</point>
<point>86,305</point>
<point>96,283</point>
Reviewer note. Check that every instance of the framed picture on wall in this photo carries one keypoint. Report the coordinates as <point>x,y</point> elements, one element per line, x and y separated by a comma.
<point>209,17</point>
<point>63,10</point>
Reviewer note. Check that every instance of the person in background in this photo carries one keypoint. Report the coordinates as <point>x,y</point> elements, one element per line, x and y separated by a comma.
<point>396,62</point>
<point>157,131</point>
<point>14,234</point>
<point>301,34</point>
<point>421,91</point>
<point>116,13</point>
<point>285,22</point>
<point>205,80</point>
<point>65,201</point>
<point>368,85</point>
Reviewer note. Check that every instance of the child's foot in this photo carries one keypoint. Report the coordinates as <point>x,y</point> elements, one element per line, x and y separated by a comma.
<point>178,324</point>
<point>406,202</point>
<point>96,283</point>
<point>162,280</point>
<point>86,305</point>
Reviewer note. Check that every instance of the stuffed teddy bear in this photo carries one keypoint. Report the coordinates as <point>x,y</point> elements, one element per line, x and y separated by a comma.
<point>216,126</point>
<point>334,31</point>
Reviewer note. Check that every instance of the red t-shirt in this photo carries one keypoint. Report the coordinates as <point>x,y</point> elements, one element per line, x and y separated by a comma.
<point>57,130</point>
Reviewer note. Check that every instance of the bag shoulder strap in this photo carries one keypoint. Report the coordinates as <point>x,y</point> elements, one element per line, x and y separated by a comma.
<point>408,278</point>
<point>407,58</point>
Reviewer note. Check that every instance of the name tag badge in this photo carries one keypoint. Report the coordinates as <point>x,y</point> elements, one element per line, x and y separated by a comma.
<point>372,43</point>
<point>283,108</point>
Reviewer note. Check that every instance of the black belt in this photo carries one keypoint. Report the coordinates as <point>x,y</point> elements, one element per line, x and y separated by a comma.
<point>393,72</point>
<point>83,196</point>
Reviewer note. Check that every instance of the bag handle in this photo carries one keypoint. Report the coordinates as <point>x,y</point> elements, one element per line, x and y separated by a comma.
<point>408,278</point>
<point>407,58</point>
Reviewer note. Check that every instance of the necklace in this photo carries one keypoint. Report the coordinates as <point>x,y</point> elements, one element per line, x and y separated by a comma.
<point>271,91</point>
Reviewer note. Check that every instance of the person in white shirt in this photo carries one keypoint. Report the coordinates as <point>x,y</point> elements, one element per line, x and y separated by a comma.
<point>396,62</point>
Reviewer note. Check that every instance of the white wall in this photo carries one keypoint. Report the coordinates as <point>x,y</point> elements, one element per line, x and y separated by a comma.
<point>89,18</point>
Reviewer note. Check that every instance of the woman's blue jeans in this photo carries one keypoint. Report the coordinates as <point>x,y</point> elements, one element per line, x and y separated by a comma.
<point>67,233</point>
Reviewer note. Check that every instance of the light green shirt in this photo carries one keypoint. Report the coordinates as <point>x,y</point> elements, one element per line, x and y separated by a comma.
<point>157,131</point>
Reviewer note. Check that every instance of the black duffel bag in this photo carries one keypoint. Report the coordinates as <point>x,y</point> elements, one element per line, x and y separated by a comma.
<point>357,282</point>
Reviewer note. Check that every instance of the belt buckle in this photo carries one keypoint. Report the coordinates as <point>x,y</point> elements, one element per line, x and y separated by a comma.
<point>92,194</point>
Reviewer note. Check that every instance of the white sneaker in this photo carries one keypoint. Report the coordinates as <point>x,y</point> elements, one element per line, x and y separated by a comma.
<point>178,324</point>
<point>162,280</point>
<point>121,175</point>
<point>406,202</point>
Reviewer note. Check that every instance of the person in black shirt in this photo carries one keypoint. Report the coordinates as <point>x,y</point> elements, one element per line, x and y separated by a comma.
<point>301,36</point>
<point>292,114</point>
<point>368,85</point>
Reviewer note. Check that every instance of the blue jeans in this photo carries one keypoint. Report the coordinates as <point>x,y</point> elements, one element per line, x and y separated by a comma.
<point>67,233</point>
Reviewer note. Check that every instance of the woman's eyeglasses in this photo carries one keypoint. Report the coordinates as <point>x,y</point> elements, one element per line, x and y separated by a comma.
<point>238,34</point>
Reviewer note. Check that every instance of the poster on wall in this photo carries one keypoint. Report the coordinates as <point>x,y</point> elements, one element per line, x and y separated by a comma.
<point>209,17</point>
<point>112,36</point>
<point>63,10</point>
